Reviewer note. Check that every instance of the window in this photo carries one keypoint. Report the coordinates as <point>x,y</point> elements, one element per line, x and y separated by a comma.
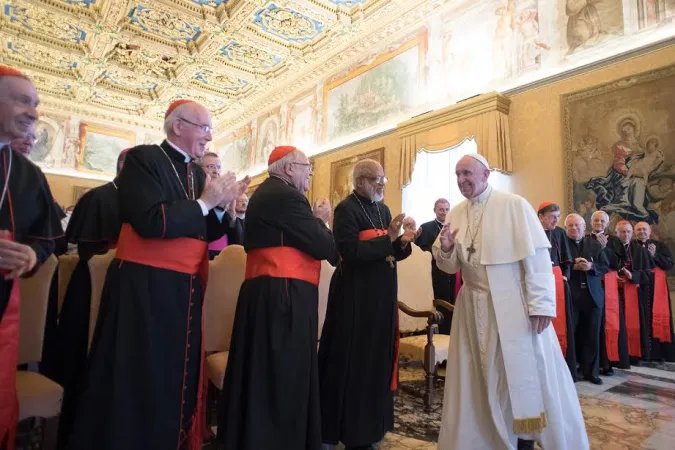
<point>434,177</point>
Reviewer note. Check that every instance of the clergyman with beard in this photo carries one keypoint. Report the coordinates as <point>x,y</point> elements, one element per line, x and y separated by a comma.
<point>358,350</point>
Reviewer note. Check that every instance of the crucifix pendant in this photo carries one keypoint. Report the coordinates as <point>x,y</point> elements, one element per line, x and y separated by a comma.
<point>390,259</point>
<point>471,251</point>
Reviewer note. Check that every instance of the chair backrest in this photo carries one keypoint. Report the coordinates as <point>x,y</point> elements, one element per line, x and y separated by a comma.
<point>67,265</point>
<point>98,268</point>
<point>34,300</point>
<point>324,285</point>
<point>415,288</point>
<point>226,275</point>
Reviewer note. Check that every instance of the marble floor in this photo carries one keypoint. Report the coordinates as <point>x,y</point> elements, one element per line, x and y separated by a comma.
<point>634,409</point>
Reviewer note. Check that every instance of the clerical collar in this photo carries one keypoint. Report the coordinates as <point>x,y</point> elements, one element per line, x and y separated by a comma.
<point>362,198</point>
<point>482,197</point>
<point>188,158</point>
<point>281,179</point>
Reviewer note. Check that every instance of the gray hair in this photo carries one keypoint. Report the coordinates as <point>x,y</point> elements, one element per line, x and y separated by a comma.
<point>175,114</point>
<point>600,212</point>
<point>277,167</point>
<point>362,168</point>
<point>575,215</point>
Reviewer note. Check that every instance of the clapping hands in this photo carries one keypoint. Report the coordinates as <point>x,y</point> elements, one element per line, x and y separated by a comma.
<point>223,190</point>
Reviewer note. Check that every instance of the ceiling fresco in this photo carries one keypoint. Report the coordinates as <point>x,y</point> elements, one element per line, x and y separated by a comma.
<point>117,59</point>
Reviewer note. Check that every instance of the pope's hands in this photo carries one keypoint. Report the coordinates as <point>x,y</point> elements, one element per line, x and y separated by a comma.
<point>15,259</point>
<point>447,238</point>
<point>539,323</point>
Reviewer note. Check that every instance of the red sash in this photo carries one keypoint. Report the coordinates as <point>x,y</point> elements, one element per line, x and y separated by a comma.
<point>560,319</point>
<point>660,311</point>
<point>632,301</point>
<point>612,315</point>
<point>282,262</point>
<point>366,235</point>
<point>9,359</point>
<point>185,255</point>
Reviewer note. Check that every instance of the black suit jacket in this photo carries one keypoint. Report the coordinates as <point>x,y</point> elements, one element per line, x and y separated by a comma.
<point>593,252</point>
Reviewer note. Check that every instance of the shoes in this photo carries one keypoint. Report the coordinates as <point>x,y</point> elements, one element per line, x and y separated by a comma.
<point>525,445</point>
<point>607,372</point>
<point>595,380</point>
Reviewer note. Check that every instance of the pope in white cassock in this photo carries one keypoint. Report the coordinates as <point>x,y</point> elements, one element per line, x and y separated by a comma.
<point>506,377</point>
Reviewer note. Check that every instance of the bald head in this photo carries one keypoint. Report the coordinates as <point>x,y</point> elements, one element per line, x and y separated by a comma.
<point>18,107</point>
<point>643,231</point>
<point>188,126</point>
<point>369,179</point>
<point>472,177</point>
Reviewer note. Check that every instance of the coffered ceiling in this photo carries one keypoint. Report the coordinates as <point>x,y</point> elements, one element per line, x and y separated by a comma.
<point>126,60</point>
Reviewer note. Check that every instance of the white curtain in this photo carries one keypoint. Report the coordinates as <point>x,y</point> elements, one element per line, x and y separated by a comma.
<point>434,178</point>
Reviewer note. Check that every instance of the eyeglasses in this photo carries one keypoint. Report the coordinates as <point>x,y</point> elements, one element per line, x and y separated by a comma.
<point>204,128</point>
<point>310,165</point>
<point>377,180</point>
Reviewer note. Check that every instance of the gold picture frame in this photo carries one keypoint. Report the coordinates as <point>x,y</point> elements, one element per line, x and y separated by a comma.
<point>100,147</point>
<point>341,183</point>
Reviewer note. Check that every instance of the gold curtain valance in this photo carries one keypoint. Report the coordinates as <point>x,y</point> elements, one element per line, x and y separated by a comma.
<point>485,118</point>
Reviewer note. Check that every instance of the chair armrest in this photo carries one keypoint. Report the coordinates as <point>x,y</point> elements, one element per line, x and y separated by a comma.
<point>433,316</point>
<point>442,303</point>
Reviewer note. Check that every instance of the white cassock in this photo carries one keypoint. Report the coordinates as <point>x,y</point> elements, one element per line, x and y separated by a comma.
<point>503,380</point>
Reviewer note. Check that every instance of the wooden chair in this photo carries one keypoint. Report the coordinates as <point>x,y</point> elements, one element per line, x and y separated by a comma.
<point>38,396</point>
<point>98,269</point>
<point>417,314</point>
<point>226,275</point>
<point>66,267</point>
<point>324,286</point>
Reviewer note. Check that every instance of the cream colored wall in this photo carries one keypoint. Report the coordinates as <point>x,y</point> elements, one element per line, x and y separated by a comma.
<point>535,121</point>
<point>63,187</point>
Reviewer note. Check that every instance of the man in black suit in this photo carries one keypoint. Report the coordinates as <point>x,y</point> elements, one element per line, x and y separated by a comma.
<point>588,297</point>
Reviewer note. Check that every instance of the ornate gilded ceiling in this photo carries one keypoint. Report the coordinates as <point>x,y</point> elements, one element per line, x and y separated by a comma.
<point>126,60</point>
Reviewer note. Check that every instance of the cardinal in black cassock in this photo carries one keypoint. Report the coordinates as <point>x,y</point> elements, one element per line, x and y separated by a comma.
<point>28,227</point>
<point>561,263</point>
<point>145,384</point>
<point>660,322</point>
<point>270,397</point>
<point>444,284</point>
<point>358,353</point>
<point>94,227</point>
<point>634,271</point>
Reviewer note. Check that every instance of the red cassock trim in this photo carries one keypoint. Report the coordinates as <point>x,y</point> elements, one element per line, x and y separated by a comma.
<point>185,255</point>
<point>612,315</point>
<point>631,298</point>
<point>9,355</point>
<point>660,311</point>
<point>560,320</point>
<point>282,262</point>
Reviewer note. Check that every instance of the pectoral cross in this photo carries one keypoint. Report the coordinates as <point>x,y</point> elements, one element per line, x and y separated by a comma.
<point>390,259</point>
<point>471,251</point>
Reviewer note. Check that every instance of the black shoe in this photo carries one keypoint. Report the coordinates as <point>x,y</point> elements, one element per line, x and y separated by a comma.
<point>594,380</point>
<point>607,372</point>
<point>525,445</point>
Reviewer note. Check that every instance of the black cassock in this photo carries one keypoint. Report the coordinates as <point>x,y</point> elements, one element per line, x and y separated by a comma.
<point>443,283</point>
<point>358,344</point>
<point>233,231</point>
<point>561,256</point>
<point>94,226</point>
<point>28,212</point>
<point>633,258</point>
<point>144,366</point>
<point>270,397</point>
<point>663,259</point>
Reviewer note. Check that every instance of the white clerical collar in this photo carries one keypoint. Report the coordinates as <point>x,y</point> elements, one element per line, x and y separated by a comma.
<point>175,147</point>
<point>482,197</point>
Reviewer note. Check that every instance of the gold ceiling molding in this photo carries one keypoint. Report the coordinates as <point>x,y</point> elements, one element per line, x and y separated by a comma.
<point>485,118</point>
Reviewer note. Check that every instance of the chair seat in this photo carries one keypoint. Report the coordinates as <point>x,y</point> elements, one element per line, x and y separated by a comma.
<point>413,347</point>
<point>38,395</point>
<point>216,364</point>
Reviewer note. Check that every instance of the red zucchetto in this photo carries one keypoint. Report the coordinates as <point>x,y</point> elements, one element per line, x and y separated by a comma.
<point>279,152</point>
<point>175,105</point>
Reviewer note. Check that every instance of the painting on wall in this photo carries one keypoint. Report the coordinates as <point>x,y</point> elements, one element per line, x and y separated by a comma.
<point>388,87</point>
<point>619,151</point>
<point>302,122</point>
<point>153,138</point>
<point>268,134</point>
<point>100,147</point>
<point>653,12</point>
<point>341,181</point>
<point>234,152</point>
<point>586,23</point>
<point>48,136</point>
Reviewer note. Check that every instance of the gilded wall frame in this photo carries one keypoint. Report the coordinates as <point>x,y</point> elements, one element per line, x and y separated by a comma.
<point>341,174</point>
<point>113,140</point>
